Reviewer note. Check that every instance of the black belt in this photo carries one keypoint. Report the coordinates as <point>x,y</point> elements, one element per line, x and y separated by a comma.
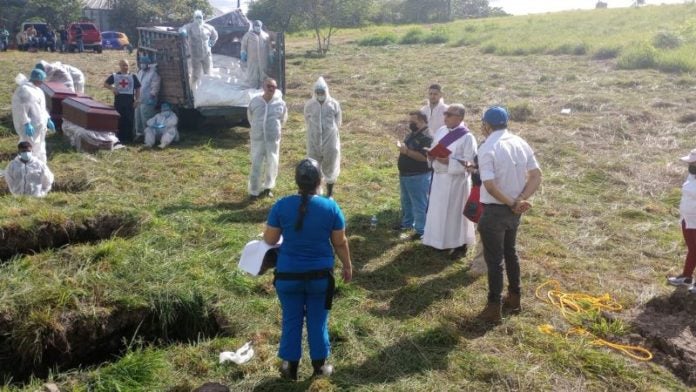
<point>312,275</point>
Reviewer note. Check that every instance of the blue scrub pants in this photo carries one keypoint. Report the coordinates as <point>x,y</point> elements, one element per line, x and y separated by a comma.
<point>300,299</point>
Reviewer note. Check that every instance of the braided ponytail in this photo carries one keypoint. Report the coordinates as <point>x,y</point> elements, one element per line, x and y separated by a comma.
<point>303,210</point>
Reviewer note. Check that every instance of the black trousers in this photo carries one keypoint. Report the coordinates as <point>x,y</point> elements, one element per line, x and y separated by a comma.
<point>124,107</point>
<point>498,228</point>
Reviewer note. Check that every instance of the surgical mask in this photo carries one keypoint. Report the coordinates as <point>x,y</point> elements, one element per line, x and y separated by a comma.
<point>321,97</point>
<point>25,156</point>
<point>257,29</point>
<point>199,21</point>
<point>692,169</point>
<point>413,127</point>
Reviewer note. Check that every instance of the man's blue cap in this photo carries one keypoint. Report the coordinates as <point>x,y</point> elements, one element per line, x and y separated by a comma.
<point>37,74</point>
<point>495,116</point>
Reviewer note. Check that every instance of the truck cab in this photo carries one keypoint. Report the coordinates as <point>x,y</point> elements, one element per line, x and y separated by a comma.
<point>169,49</point>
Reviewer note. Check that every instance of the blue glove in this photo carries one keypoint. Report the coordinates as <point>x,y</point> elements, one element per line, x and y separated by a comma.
<point>152,101</point>
<point>159,126</point>
<point>182,33</point>
<point>50,125</point>
<point>211,43</point>
<point>243,56</point>
<point>29,129</point>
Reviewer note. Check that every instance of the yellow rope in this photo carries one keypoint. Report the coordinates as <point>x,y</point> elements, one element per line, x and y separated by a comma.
<point>581,303</point>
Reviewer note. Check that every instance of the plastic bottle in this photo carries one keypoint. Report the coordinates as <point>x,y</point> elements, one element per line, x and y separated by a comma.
<point>373,222</point>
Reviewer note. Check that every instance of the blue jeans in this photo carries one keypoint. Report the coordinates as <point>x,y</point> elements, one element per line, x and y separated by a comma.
<point>300,299</point>
<point>414,200</point>
<point>80,45</point>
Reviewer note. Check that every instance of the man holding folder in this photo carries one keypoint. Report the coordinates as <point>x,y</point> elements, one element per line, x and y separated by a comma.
<point>453,148</point>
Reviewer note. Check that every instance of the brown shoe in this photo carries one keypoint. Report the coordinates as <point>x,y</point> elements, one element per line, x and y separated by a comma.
<point>511,303</point>
<point>491,313</point>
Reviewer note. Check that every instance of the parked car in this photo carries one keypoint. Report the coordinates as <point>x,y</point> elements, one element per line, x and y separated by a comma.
<point>91,37</point>
<point>115,40</point>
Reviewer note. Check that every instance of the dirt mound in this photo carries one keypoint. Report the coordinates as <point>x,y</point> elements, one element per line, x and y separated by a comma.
<point>16,240</point>
<point>667,327</point>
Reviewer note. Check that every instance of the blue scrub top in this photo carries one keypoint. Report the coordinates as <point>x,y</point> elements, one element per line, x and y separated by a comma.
<point>310,248</point>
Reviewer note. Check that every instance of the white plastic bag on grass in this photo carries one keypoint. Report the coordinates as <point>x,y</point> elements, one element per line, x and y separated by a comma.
<point>243,355</point>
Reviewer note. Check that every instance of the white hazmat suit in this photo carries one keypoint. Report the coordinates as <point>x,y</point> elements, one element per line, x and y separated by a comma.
<point>57,72</point>
<point>201,38</point>
<point>78,78</point>
<point>266,119</point>
<point>149,91</point>
<point>323,120</point>
<point>32,178</point>
<point>163,127</point>
<point>29,107</point>
<point>254,52</point>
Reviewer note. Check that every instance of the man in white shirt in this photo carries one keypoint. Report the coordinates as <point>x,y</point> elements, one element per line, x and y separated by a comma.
<point>435,109</point>
<point>510,175</point>
<point>27,175</point>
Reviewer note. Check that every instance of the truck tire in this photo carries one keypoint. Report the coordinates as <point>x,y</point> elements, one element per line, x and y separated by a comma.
<point>98,49</point>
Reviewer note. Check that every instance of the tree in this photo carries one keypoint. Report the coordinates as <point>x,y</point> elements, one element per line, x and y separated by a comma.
<point>278,15</point>
<point>326,16</point>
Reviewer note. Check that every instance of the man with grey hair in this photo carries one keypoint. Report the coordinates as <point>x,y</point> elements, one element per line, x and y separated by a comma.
<point>453,149</point>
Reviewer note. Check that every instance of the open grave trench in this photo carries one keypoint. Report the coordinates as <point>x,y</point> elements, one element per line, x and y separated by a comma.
<point>80,339</point>
<point>667,327</point>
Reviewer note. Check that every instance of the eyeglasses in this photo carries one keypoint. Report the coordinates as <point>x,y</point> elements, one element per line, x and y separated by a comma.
<point>269,86</point>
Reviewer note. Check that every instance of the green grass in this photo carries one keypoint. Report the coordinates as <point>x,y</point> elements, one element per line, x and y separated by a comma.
<point>605,219</point>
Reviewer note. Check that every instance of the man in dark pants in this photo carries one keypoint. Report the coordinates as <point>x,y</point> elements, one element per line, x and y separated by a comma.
<point>510,175</point>
<point>126,89</point>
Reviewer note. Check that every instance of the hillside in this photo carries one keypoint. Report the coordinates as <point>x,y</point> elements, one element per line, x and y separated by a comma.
<point>149,294</point>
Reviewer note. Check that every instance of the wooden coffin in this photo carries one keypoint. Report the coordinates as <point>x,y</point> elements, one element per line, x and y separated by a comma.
<point>90,114</point>
<point>55,93</point>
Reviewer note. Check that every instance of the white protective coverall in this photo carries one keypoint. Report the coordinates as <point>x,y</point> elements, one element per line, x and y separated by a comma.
<point>149,91</point>
<point>323,121</point>
<point>32,178</point>
<point>78,78</point>
<point>201,38</point>
<point>162,126</point>
<point>266,119</point>
<point>29,106</point>
<point>57,72</point>
<point>257,48</point>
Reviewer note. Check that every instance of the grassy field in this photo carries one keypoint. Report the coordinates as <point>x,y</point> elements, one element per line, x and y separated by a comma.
<point>150,295</point>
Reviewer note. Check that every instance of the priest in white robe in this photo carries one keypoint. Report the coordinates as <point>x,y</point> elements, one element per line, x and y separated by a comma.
<point>453,148</point>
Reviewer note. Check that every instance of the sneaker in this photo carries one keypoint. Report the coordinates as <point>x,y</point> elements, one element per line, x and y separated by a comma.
<point>680,281</point>
<point>692,289</point>
<point>266,193</point>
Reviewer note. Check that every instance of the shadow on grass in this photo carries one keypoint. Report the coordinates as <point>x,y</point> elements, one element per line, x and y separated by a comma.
<point>419,354</point>
<point>413,299</point>
<point>214,135</point>
<point>367,243</point>
<point>279,384</point>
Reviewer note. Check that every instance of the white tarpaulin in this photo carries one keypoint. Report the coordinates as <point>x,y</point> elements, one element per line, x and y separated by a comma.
<point>85,140</point>
<point>225,85</point>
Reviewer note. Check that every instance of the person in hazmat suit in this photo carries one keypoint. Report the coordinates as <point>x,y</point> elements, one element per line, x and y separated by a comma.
<point>26,175</point>
<point>149,91</point>
<point>56,72</point>
<point>323,119</point>
<point>163,127</point>
<point>266,113</point>
<point>255,53</point>
<point>29,115</point>
<point>201,38</point>
<point>78,78</point>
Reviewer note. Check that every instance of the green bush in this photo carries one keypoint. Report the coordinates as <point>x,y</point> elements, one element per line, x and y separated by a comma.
<point>415,35</point>
<point>379,39</point>
<point>520,111</point>
<point>677,62</point>
<point>638,57</point>
<point>666,40</point>
<point>578,49</point>
<point>606,52</point>
<point>436,38</point>
<point>489,48</point>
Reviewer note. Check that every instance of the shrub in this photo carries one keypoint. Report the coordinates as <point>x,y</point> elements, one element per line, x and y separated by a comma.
<point>439,35</point>
<point>676,63</point>
<point>520,111</point>
<point>413,36</point>
<point>379,39</point>
<point>489,48</point>
<point>638,57</point>
<point>666,40</point>
<point>578,49</point>
<point>606,52</point>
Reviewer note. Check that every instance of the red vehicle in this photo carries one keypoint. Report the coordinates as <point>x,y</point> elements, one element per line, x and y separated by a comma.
<point>91,37</point>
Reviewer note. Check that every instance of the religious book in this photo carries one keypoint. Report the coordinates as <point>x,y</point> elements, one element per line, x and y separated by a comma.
<point>439,151</point>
